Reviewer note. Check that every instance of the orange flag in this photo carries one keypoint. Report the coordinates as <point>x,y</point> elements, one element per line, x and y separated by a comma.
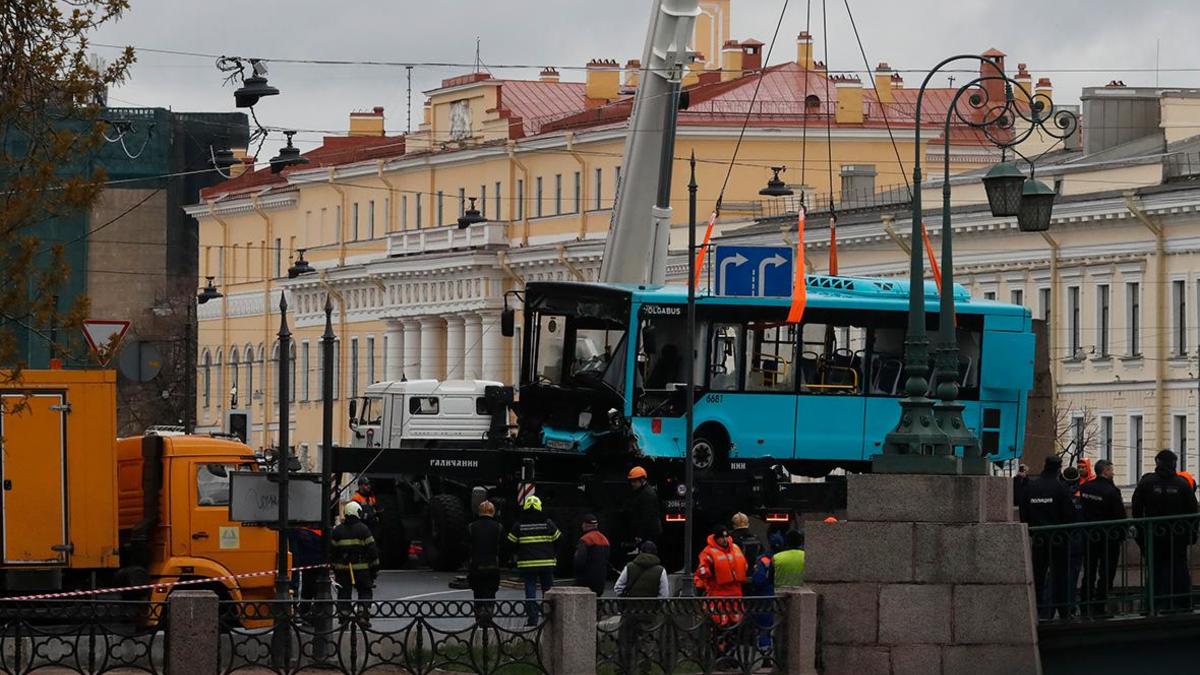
<point>799,283</point>
<point>833,262</point>
<point>704,249</point>
<point>933,265</point>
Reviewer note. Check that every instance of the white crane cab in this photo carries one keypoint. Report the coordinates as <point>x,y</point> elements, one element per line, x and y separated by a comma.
<point>422,414</point>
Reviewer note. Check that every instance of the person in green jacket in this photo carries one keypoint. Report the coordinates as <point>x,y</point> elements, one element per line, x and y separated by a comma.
<point>788,564</point>
<point>644,577</point>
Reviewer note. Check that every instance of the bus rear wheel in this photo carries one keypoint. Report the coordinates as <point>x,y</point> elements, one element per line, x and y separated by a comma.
<point>709,450</point>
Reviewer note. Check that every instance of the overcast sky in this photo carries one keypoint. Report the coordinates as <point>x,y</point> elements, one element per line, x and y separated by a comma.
<point>1053,38</point>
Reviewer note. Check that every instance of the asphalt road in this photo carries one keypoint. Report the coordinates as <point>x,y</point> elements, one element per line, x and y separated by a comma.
<point>426,584</point>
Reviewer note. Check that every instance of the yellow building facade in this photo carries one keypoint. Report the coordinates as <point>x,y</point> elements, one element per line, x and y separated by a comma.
<point>415,296</point>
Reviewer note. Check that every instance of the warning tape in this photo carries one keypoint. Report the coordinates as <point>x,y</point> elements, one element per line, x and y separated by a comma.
<point>161,587</point>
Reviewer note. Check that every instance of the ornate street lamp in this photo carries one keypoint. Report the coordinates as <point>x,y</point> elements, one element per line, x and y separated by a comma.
<point>254,87</point>
<point>471,216</point>
<point>1003,183</point>
<point>775,186</point>
<point>209,292</point>
<point>930,435</point>
<point>1037,201</point>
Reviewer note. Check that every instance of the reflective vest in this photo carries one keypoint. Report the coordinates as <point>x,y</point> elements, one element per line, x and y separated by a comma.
<point>789,568</point>
<point>534,536</point>
<point>721,571</point>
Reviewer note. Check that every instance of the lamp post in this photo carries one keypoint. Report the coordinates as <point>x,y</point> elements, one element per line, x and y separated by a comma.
<point>929,434</point>
<point>689,471</point>
<point>280,640</point>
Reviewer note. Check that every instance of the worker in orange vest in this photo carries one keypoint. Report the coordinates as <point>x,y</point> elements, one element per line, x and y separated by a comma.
<point>365,497</point>
<point>1189,478</point>
<point>720,574</point>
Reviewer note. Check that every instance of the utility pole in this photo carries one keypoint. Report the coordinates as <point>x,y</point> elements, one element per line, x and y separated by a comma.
<point>689,477</point>
<point>280,641</point>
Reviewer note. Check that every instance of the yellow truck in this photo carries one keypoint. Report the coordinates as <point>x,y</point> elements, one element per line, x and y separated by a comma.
<point>85,510</point>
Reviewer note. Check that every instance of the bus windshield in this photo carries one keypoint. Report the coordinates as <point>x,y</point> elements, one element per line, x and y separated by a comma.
<point>578,350</point>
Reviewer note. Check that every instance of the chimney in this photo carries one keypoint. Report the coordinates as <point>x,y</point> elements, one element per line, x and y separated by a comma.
<point>731,61</point>
<point>993,67</point>
<point>804,50</point>
<point>897,81</point>
<point>603,80</point>
<point>1044,88</point>
<point>633,71</point>
<point>548,74</point>
<point>1023,78</point>
<point>751,56</point>
<point>367,123</point>
<point>883,82</point>
<point>849,99</point>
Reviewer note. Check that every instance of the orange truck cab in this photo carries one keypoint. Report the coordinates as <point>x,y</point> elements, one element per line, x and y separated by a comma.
<point>82,509</point>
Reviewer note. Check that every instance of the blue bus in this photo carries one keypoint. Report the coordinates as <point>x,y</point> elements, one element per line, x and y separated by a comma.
<point>603,370</point>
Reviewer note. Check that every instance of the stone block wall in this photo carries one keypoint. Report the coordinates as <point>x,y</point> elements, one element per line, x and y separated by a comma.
<point>928,575</point>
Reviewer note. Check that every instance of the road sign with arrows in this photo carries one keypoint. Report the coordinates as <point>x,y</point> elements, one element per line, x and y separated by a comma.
<point>757,271</point>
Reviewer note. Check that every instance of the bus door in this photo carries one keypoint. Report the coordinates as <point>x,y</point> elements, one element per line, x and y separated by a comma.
<point>830,406</point>
<point>764,407</point>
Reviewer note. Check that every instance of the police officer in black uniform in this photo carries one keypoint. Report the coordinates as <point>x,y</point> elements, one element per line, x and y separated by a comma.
<point>1165,493</point>
<point>1047,501</point>
<point>1102,501</point>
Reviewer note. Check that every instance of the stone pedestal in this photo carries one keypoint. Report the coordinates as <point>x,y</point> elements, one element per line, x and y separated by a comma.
<point>928,574</point>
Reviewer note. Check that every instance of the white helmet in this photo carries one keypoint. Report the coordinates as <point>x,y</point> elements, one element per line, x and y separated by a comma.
<point>353,509</point>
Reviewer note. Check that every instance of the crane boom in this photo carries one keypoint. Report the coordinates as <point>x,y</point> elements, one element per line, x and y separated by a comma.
<point>639,231</point>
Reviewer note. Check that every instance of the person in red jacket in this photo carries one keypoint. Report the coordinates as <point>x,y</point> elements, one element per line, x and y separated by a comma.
<point>720,573</point>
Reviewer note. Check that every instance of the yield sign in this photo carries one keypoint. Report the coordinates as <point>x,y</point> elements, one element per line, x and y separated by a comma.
<point>104,337</point>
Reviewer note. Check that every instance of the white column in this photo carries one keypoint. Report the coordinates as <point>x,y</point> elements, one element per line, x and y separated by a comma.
<point>410,367</point>
<point>394,353</point>
<point>473,364</point>
<point>494,356</point>
<point>433,352</point>
<point>454,347</point>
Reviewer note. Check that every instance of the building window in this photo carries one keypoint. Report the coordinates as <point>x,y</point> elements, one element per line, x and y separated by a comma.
<point>1135,448</point>
<point>1103,319</point>
<point>1078,435</point>
<point>441,210</point>
<point>220,373</point>
<point>387,214</point>
<point>1106,437</point>
<point>305,377</point>
<point>989,295</point>
<point>598,188</point>
<point>1133,318</point>
<point>207,378</point>
<point>1179,423</point>
<point>616,182</point>
<point>337,369</point>
<point>496,197</point>
<point>1179,317</point>
<point>235,376</point>
<point>353,367</point>
<point>371,219</point>
<point>558,194</point>
<point>278,257</point>
<point>538,195</point>
<point>354,221</point>
<point>293,365</point>
<point>462,202</point>
<point>578,192</point>
<point>404,212</point>
<point>483,200</point>
<point>1044,303</point>
<point>1073,319</point>
<point>370,361</point>
<point>339,224</point>
<point>249,375</point>
<point>1016,296</point>
<point>384,356</point>
<point>520,199</point>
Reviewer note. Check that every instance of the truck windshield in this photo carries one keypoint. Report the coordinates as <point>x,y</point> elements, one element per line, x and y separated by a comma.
<point>372,411</point>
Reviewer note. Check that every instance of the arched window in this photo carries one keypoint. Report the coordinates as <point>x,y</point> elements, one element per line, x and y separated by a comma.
<point>234,375</point>
<point>220,372</point>
<point>249,374</point>
<point>206,377</point>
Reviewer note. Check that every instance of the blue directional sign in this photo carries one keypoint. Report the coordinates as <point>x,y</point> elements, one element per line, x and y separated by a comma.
<point>754,270</point>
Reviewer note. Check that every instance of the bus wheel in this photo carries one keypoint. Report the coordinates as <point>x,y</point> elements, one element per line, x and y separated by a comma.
<point>708,451</point>
<point>444,533</point>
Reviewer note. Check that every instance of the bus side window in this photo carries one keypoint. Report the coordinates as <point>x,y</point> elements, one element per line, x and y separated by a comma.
<point>886,374</point>
<point>770,358</point>
<point>724,374</point>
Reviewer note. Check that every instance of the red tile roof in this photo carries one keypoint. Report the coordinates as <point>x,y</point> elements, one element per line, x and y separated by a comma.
<point>334,151</point>
<point>533,103</point>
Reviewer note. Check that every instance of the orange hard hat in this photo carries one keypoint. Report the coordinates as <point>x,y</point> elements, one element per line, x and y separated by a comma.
<point>830,519</point>
<point>637,472</point>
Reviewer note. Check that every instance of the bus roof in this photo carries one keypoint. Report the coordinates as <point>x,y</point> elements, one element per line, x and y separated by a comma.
<point>823,291</point>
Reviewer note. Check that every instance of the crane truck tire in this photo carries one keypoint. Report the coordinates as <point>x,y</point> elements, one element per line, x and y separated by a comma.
<point>392,538</point>
<point>444,533</point>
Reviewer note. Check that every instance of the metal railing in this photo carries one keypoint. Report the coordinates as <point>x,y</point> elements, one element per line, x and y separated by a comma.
<point>408,636</point>
<point>1181,165</point>
<point>1117,568</point>
<point>689,635</point>
<point>88,636</point>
